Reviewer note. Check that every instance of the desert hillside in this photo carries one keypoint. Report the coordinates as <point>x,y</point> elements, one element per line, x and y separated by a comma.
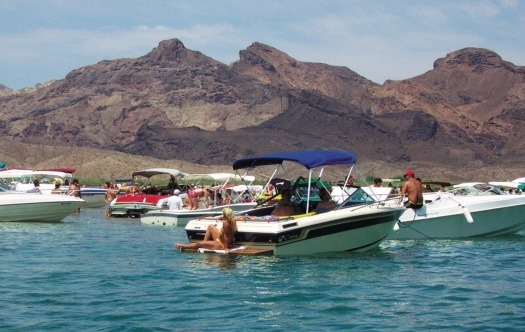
<point>180,108</point>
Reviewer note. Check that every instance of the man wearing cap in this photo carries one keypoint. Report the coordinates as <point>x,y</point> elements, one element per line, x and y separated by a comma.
<point>175,202</point>
<point>413,190</point>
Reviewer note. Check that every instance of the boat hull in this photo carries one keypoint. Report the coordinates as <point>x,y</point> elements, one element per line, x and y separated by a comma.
<point>448,218</point>
<point>94,197</point>
<point>134,205</point>
<point>182,217</point>
<point>37,207</point>
<point>342,230</point>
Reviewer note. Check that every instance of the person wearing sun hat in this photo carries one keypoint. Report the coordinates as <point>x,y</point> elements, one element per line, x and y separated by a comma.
<point>413,191</point>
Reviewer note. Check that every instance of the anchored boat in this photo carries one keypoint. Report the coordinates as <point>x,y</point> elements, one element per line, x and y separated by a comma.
<point>358,223</point>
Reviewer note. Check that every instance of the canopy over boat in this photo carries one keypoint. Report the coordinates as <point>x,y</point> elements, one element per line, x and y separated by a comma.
<point>218,177</point>
<point>60,169</point>
<point>519,180</point>
<point>14,173</point>
<point>504,184</point>
<point>468,184</point>
<point>309,159</point>
<point>51,173</point>
<point>157,171</point>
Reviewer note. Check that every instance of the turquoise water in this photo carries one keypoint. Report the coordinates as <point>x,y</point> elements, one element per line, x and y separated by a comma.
<point>93,274</point>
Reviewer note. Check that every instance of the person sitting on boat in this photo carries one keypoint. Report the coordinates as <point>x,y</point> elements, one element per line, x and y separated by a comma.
<point>133,190</point>
<point>326,204</point>
<point>227,197</point>
<point>36,189</point>
<point>218,199</point>
<point>215,238</point>
<point>74,189</point>
<point>57,190</point>
<point>413,190</point>
<point>270,190</point>
<point>285,207</point>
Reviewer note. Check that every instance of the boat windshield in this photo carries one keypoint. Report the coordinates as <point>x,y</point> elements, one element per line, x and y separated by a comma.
<point>301,193</point>
<point>357,197</point>
<point>4,187</point>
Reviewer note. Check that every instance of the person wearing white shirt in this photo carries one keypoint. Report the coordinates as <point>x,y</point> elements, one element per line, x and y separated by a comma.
<point>175,202</point>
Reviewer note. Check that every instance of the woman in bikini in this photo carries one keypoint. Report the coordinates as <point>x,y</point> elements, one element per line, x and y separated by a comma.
<point>194,196</point>
<point>215,238</point>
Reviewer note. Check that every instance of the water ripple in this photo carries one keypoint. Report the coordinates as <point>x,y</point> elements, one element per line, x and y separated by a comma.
<point>94,274</point>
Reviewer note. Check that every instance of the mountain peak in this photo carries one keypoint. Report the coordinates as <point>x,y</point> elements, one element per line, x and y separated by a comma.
<point>478,58</point>
<point>167,51</point>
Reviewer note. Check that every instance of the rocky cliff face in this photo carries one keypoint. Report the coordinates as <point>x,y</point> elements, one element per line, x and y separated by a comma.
<point>174,103</point>
<point>466,101</point>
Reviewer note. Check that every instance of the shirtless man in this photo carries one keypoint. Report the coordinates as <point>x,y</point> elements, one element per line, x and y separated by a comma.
<point>413,189</point>
<point>111,193</point>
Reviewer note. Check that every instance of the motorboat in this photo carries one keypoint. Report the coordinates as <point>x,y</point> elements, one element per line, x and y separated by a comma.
<point>508,187</point>
<point>23,181</point>
<point>10,177</point>
<point>475,189</point>
<point>359,223</point>
<point>462,213</point>
<point>220,183</point>
<point>134,203</point>
<point>18,206</point>
<point>183,216</point>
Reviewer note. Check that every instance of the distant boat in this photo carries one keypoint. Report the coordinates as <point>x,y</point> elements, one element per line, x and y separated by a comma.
<point>23,181</point>
<point>27,207</point>
<point>223,185</point>
<point>134,204</point>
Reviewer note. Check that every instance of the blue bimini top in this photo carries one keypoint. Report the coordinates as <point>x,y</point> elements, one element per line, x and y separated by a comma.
<point>309,159</point>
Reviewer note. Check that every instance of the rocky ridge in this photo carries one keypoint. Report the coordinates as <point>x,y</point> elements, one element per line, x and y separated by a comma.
<point>177,104</point>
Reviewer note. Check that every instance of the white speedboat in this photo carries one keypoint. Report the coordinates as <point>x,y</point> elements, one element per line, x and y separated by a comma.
<point>183,216</point>
<point>17,206</point>
<point>134,204</point>
<point>357,224</point>
<point>23,181</point>
<point>223,183</point>
<point>450,216</point>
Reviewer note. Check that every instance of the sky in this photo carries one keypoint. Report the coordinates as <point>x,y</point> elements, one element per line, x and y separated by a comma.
<point>380,40</point>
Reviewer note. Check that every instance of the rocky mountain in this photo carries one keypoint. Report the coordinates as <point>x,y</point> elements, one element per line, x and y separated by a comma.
<point>463,116</point>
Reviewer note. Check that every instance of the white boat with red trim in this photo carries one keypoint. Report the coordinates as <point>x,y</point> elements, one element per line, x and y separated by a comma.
<point>133,204</point>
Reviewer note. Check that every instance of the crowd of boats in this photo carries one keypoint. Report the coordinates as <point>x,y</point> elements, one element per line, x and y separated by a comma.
<point>362,217</point>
